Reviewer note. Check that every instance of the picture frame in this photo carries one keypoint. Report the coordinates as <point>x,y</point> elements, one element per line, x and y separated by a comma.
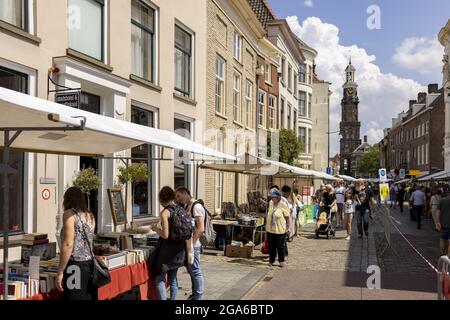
<point>117,206</point>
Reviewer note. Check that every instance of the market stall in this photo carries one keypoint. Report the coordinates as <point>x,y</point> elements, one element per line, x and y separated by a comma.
<point>31,124</point>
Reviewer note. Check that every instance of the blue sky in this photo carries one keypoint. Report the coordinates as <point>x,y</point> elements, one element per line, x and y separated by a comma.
<point>400,19</point>
<point>393,63</point>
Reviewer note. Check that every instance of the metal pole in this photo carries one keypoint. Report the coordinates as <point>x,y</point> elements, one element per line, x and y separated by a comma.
<point>5,214</point>
<point>126,194</point>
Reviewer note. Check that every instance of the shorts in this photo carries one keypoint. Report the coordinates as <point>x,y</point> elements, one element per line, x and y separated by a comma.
<point>445,234</point>
<point>340,207</point>
<point>349,214</point>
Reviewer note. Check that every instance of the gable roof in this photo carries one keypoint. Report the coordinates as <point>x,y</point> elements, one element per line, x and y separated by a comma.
<point>262,11</point>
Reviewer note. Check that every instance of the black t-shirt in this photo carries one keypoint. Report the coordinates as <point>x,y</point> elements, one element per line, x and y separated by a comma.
<point>364,197</point>
<point>328,198</point>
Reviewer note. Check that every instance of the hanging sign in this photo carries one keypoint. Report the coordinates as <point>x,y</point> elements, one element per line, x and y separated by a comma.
<point>384,191</point>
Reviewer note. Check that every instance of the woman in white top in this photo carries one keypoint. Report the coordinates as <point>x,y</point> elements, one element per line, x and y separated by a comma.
<point>349,210</point>
<point>434,203</point>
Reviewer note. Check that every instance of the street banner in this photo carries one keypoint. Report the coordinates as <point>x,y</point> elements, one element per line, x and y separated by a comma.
<point>384,191</point>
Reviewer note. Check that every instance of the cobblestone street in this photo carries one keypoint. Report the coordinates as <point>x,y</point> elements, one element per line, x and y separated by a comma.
<point>329,268</point>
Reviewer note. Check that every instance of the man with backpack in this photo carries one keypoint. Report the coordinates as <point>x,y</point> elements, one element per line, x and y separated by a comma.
<point>199,216</point>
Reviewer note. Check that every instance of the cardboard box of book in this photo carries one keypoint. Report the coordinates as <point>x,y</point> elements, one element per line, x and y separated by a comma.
<point>245,251</point>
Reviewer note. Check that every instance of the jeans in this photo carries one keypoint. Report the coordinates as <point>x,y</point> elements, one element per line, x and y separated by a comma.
<point>160,282</point>
<point>276,245</point>
<point>196,275</point>
<point>362,219</point>
<point>418,214</point>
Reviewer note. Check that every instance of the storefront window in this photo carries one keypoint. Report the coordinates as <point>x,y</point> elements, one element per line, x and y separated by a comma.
<point>182,159</point>
<point>18,82</point>
<point>143,191</point>
<point>86,32</point>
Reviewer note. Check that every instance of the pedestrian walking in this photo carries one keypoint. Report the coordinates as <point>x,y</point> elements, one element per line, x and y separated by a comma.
<point>434,203</point>
<point>363,198</point>
<point>327,202</point>
<point>427,207</point>
<point>198,213</point>
<point>401,197</point>
<point>392,196</point>
<point>77,235</point>
<point>418,202</point>
<point>340,199</point>
<point>349,210</point>
<point>444,225</point>
<point>169,254</point>
<point>277,227</point>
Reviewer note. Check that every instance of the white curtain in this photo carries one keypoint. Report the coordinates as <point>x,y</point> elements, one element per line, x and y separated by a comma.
<point>11,11</point>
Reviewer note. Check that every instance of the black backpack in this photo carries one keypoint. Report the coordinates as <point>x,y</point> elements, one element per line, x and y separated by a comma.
<point>180,223</point>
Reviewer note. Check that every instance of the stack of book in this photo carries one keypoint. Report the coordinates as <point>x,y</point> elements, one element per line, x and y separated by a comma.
<point>114,260</point>
<point>135,256</point>
<point>20,285</point>
<point>37,244</point>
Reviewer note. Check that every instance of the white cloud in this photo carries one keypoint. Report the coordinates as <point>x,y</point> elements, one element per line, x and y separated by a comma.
<point>308,3</point>
<point>420,54</point>
<point>382,95</point>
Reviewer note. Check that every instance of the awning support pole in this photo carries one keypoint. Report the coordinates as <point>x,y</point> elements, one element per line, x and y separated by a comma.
<point>126,194</point>
<point>6,151</point>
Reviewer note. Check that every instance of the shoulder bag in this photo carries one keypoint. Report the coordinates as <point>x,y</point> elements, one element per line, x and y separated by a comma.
<point>100,272</point>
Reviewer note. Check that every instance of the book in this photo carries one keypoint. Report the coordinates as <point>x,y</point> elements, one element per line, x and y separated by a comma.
<point>114,261</point>
<point>34,236</point>
<point>34,242</point>
<point>45,251</point>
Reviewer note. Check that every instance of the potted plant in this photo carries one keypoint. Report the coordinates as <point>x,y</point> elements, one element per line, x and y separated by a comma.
<point>137,173</point>
<point>87,180</point>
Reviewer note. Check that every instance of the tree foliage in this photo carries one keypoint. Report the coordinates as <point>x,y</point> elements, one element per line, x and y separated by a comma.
<point>289,148</point>
<point>369,163</point>
<point>87,180</point>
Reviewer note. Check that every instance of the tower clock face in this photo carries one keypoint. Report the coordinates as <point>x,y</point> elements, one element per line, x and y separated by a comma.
<point>350,91</point>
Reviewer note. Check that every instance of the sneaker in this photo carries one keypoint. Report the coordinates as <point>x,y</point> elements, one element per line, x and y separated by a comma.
<point>282,264</point>
<point>348,238</point>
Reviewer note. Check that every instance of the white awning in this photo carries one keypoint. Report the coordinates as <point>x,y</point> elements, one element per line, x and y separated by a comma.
<point>347,178</point>
<point>428,177</point>
<point>101,136</point>
<point>323,175</point>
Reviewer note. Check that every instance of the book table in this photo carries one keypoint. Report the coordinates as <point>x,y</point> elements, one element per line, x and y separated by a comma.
<point>122,280</point>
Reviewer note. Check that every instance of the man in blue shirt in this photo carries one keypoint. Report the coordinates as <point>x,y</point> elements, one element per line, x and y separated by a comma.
<point>417,200</point>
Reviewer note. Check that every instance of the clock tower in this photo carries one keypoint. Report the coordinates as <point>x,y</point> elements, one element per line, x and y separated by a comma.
<point>350,126</point>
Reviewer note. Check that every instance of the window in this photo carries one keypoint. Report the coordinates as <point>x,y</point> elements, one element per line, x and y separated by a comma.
<point>87,37</point>
<point>248,104</point>
<point>283,69</point>
<point>272,112</point>
<point>289,77</point>
<point>302,74</point>
<point>295,83</point>
<point>427,153</point>
<point>142,40</point>
<point>237,46</point>
<point>302,103</point>
<point>310,74</point>
<point>302,138</point>
<point>295,119</point>
<point>423,129</point>
<point>16,81</point>
<point>282,106</point>
<point>14,12</point>
<point>182,165</point>
<point>261,108</point>
<point>267,72</point>
<point>220,84</point>
<point>183,61</point>
<point>309,141</point>
<point>143,191</point>
<point>237,97</point>
<point>427,127</point>
<point>408,156</point>
<point>289,116</point>
<point>309,104</point>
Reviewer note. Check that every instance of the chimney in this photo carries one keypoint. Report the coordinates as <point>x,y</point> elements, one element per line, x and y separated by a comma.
<point>365,139</point>
<point>421,97</point>
<point>411,103</point>
<point>433,88</point>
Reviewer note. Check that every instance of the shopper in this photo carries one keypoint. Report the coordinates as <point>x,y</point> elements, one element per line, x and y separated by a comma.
<point>362,210</point>
<point>340,199</point>
<point>427,207</point>
<point>392,195</point>
<point>418,201</point>
<point>327,202</point>
<point>169,255</point>
<point>277,227</point>
<point>434,203</point>
<point>444,225</point>
<point>401,197</point>
<point>300,213</point>
<point>76,251</point>
<point>198,212</point>
<point>349,210</point>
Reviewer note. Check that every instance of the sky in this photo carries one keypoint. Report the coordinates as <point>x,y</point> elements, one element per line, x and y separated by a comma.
<point>397,57</point>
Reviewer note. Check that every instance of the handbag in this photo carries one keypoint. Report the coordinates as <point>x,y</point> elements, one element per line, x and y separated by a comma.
<point>100,273</point>
<point>265,246</point>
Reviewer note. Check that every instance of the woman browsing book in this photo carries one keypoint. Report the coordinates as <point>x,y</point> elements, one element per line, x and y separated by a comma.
<point>76,261</point>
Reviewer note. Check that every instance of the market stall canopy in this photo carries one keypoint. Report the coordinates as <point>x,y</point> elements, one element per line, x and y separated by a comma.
<point>428,177</point>
<point>323,175</point>
<point>403,181</point>
<point>102,135</point>
<point>347,178</point>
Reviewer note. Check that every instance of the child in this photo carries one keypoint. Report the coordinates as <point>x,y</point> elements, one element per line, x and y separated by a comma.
<point>349,209</point>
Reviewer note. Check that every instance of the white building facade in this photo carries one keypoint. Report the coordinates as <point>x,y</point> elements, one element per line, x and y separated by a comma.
<point>305,100</point>
<point>444,39</point>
